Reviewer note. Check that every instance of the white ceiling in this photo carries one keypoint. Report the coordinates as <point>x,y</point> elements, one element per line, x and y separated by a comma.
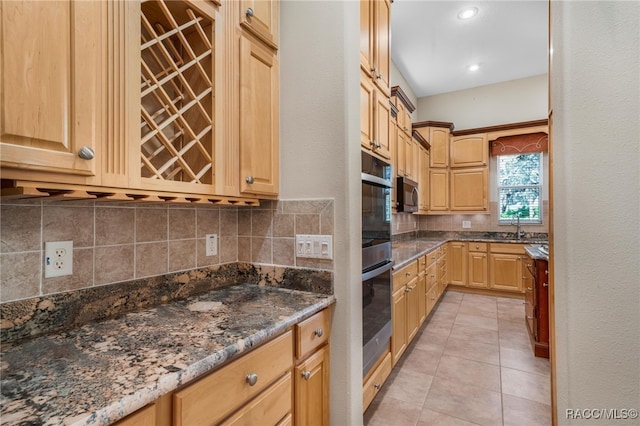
<point>433,49</point>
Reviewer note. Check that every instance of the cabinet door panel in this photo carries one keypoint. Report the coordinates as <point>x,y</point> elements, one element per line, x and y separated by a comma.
<point>423,180</point>
<point>399,319</point>
<point>438,190</point>
<point>259,121</point>
<point>477,270</point>
<point>505,272</point>
<point>268,408</point>
<point>469,151</point>
<point>458,263</point>
<point>382,27</point>
<point>366,39</point>
<point>312,390</point>
<point>51,85</point>
<point>382,113</point>
<point>439,140</point>
<point>262,20</point>
<point>469,189</point>
<point>367,100</point>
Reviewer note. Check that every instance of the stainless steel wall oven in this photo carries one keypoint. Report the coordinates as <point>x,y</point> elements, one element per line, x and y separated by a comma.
<point>376,259</point>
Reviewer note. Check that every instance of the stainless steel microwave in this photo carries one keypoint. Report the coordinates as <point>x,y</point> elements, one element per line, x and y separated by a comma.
<point>406,195</point>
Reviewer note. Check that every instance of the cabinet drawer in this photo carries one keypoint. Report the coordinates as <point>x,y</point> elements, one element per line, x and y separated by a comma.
<point>402,276</point>
<point>509,248</point>
<point>373,385</point>
<point>432,256</point>
<point>477,247</point>
<point>211,399</point>
<point>312,333</point>
<point>268,408</point>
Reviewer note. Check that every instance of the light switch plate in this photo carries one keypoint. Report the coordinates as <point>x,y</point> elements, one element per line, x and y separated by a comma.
<point>314,246</point>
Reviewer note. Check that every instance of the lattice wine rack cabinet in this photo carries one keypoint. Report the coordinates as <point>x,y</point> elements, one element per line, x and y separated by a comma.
<point>177,97</point>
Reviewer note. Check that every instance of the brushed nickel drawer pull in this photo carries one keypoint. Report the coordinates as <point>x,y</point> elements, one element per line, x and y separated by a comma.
<point>306,374</point>
<point>252,379</point>
<point>318,332</point>
<point>249,12</point>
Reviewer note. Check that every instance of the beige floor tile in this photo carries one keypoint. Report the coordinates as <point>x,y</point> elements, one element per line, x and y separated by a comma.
<point>452,297</point>
<point>438,327</point>
<point>516,341</point>
<point>531,386</point>
<point>407,385</point>
<point>420,361</point>
<point>445,315</point>
<point>434,342</point>
<point>517,326</point>
<point>519,411</point>
<point>483,310</point>
<point>390,411</point>
<point>479,299</point>
<point>464,348</point>
<point>475,334</point>
<point>524,361</point>
<point>477,321</point>
<point>433,418</point>
<point>465,372</point>
<point>470,403</point>
<point>511,311</point>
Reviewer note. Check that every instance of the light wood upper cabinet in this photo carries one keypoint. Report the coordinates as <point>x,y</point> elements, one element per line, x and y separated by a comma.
<point>439,140</point>
<point>438,189</point>
<point>382,114</point>
<point>260,17</point>
<point>52,88</point>
<point>469,151</point>
<point>375,21</point>
<point>375,118</point>
<point>367,104</point>
<point>401,152</point>
<point>423,181</point>
<point>259,119</point>
<point>470,189</point>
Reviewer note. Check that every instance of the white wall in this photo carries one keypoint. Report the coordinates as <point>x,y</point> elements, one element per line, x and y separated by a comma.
<point>501,103</point>
<point>596,161</point>
<point>397,79</point>
<point>320,158</point>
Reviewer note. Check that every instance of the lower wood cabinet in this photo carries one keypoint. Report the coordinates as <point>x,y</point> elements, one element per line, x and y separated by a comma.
<point>505,266</point>
<point>374,383</point>
<point>284,381</point>
<point>458,261</point>
<point>477,265</point>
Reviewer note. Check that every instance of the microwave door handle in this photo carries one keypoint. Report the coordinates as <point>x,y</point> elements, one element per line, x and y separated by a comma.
<point>374,273</point>
<point>414,196</point>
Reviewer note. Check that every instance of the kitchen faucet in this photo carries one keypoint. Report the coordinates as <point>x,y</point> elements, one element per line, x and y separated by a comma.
<point>519,231</point>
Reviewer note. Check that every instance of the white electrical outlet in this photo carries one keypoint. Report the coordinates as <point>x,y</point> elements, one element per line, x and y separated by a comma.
<point>212,244</point>
<point>58,258</point>
<point>466,224</point>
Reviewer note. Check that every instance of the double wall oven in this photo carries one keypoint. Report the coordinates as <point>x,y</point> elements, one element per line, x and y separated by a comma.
<point>376,259</point>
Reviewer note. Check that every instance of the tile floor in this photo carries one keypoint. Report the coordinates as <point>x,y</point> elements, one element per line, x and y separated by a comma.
<point>471,364</point>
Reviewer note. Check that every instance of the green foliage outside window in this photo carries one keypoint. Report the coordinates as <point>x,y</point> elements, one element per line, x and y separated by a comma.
<point>519,187</point>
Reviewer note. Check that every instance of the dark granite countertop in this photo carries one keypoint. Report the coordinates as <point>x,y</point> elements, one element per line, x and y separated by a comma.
<point>407,250</point>
<point>534,252</point>
<point>101,372</point>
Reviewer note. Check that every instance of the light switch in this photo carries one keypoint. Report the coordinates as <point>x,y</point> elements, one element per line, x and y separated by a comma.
<point>314,246</point>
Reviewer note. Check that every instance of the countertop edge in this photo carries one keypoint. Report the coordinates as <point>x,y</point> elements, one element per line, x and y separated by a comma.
<point>174,380</point>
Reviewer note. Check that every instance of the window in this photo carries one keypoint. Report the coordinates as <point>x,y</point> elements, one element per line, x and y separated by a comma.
<point>520,187</point>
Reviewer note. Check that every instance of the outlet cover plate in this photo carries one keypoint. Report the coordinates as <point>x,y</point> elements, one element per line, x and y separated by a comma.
<point>212,244</point>
<point>58,258</point>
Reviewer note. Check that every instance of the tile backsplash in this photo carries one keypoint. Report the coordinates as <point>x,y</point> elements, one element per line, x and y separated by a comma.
<point>119,242</point>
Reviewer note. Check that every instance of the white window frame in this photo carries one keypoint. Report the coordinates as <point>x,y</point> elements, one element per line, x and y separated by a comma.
<point>539,186</point>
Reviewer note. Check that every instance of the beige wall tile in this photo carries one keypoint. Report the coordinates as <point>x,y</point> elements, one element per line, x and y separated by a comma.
<point>261,223</point>
<point>284,251</point>
<point>261,250</point>
<point>182,224</point>
<point>208,221</point>
<point>115,225</point>
<point>201,254</point>
<point>283,225</point>
<point>20,228</point>
<point>113,264</point>
<point>151,259</point>
<point>61,223</point>
<point>307,224</point>
<point>151,224</point>
<point>326,220</point>
<point>20,277</point>
<point>228,221</point>
<point>228,249</point>
<point>314,263</point>
<point>244,222</point>
<point>82,276</point>
<point>182,254</point>
<point>304,206</point>
<point>244,249</point>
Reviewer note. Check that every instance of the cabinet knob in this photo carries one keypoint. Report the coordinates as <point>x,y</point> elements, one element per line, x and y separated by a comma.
<point>529,318</point>
<point>306,374</point>
<point>252,379</point>
<point>86,153</point>
<point>249,180</point>
<point>249,12</point>
<point>373,69</point>
<point>477,246</point>
<point>377,386</point>
<point>318,332</point>
<point>545,284</point>
<point>529,289</point>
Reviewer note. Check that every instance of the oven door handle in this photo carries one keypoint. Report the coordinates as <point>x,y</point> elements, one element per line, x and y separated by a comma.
<point>374,273</point>
<point>375,180</point>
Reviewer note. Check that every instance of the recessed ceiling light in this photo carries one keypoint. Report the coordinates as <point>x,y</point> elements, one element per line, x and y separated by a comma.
<point>468,13</point>
<point>474,67</point>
